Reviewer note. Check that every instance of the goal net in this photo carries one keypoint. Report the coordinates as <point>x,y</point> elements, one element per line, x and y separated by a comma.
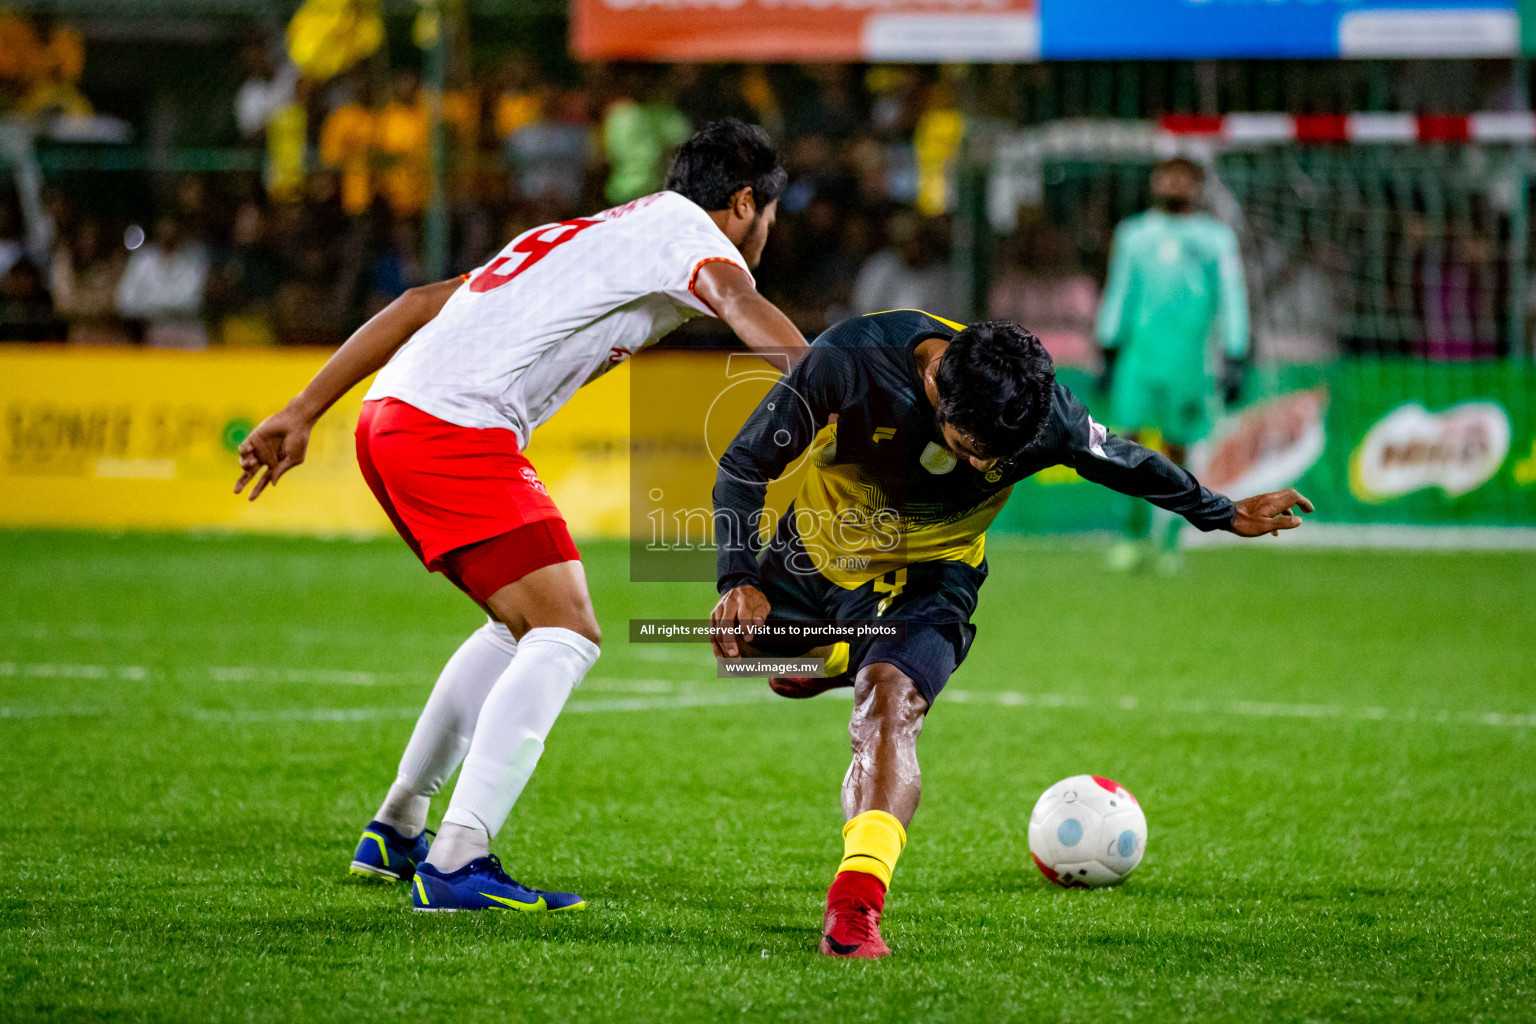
<point>1367,240</point>
<point>1386,259</point>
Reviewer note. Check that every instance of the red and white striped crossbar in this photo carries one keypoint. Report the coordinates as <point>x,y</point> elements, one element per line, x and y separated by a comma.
<point>1239,129</point>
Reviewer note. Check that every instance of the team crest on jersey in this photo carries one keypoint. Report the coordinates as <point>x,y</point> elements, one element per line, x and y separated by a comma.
<point>1097,436</point>
<point>532,479</point>
<point>936,460</point>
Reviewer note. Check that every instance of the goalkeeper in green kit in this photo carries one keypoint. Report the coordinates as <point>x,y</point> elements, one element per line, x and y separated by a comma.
<point>1175,280</point>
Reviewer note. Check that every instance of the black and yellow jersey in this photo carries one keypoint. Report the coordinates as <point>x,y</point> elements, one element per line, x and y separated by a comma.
<point>879,489</point>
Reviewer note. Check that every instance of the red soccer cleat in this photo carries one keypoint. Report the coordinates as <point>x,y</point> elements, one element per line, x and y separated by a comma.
<point>851,928</point>
<point>800,687</point>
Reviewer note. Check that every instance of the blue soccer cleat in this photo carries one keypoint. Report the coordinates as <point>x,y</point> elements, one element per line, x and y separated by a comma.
<point>386,855</point>
<point>483,885</point>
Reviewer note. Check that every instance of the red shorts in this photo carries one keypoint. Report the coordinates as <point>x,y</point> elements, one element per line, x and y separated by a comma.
<point>465,499</point>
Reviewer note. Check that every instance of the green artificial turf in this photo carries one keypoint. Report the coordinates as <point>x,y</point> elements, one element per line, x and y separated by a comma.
<point>1336,753</point>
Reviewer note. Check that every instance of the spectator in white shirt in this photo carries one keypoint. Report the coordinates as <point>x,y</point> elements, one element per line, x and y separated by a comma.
<point>163,285</point>
<point>13,245</point>
<point>265,90</point>
<point>912,272</point>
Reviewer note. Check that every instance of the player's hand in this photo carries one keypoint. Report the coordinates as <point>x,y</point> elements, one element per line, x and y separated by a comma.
<point>1269,513</point>
<point>276,445</point>
<point>745,607</point>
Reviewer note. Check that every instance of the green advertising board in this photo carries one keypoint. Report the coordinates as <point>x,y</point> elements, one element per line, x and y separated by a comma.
<point>1372,443</point>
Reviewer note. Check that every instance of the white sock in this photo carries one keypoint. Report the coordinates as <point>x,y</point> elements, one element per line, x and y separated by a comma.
<point>404,811</point>
<point>509,740</point>
<point>457,845</point>
<point>443,731</point>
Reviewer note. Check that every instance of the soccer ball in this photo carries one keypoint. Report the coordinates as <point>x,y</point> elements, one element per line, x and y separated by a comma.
<point>1087,831</point>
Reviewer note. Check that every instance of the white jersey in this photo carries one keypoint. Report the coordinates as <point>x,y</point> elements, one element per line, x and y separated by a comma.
<point>560,306</point>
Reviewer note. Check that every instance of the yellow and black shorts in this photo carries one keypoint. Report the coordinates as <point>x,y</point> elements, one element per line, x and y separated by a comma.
<point>935,600</point>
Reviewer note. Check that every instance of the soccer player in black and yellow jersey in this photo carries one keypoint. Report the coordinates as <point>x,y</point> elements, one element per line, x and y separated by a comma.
<point>914,429</point>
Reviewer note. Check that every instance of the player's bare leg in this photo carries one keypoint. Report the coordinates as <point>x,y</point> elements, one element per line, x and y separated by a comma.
<point>888,714</point>
<point>880,794</point>
<point>554,597</point>
<point>549,612</point>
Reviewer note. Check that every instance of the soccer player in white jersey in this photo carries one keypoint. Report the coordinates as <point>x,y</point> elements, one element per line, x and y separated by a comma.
<point>470,368</point>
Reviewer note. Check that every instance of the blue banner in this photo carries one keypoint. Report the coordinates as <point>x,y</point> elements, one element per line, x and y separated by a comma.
<point>1108,29</point>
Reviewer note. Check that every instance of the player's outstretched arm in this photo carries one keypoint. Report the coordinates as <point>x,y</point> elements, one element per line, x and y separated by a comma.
<point>1130,468</point>
<point>760,325</point>
<point>278,443</point>
<point>1268,513</point>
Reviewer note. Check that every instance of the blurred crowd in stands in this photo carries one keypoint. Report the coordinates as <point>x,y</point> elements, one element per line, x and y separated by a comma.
<point>329,219</point>
<point>331,228</point>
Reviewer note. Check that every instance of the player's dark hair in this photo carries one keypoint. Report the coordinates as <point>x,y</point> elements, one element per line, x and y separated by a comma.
<point>995,383</point>
<point>724,157</point>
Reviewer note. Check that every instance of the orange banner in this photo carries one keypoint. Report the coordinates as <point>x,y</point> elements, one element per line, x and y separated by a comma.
<point>876,30</point>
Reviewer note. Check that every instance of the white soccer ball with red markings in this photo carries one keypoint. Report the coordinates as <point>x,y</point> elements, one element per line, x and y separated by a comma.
<point>1086,832</point>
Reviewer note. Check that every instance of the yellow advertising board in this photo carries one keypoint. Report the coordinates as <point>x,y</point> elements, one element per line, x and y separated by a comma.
<point>137,439</point>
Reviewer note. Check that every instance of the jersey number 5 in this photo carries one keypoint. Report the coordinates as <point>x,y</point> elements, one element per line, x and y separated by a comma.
<point>530,248</point>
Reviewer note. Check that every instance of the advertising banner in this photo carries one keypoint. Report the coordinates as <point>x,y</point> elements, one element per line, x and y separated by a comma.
<point>1018,30</point>
<point>134,439</point>
<point>1418,444</point>
<point>1171,29</point>
<point>1373,444</point>
<point>805,30</point>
